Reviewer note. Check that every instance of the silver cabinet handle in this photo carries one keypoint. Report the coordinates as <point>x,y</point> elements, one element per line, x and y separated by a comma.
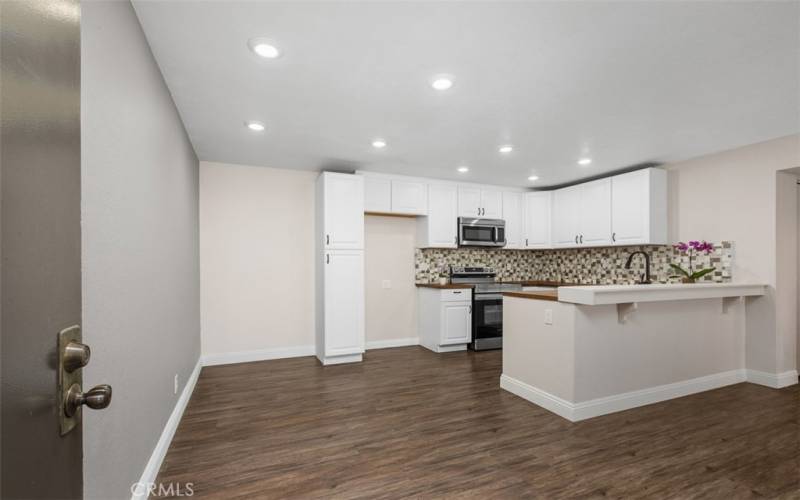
<point>457,292</point>
<point>614,237</point>
<point>327,258</point>
<point>581,239</point>
<point>526,241</point>
<point>327,239</point>
<point>576,239</point>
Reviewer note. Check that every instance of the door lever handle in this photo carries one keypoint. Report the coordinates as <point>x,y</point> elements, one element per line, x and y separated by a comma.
<point>96,398</point>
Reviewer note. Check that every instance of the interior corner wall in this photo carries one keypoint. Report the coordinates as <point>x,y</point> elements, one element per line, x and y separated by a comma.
<point>141,288</point>
<point>256,254</point>
<point>391,312</point>
<point>731,195</point>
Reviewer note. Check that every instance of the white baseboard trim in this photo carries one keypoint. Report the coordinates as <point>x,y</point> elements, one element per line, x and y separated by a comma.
<point>383,344</point>
<point>341,359</point>
<point>227,358</point>
<point>141,492</point>
<point>575,412</point>
<point>774,380</point>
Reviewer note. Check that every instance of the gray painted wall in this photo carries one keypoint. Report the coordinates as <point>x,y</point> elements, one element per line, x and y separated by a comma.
<point>141,286</point>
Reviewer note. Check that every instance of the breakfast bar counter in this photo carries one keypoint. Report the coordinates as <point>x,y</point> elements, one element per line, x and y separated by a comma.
<point>586,351</point>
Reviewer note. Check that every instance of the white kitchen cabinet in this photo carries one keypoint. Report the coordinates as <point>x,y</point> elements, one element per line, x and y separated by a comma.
<point>469,202</point>
<point>339,256</point>
<point>409,197</point>
<point>342,335</point>
<point>445,318</point>
<point>565,216</point>
<point>492,203</point>
<point>639,207</point>
<point>439,229</point>
<point>341,200</point>
<point>377,194</point>
<point>480,202</point>
<point>581,215</point>
<point>513,215</point>
<point>536,215</point>
<point>456,323</point>
<point>595,213</point>
<point>395,195</point>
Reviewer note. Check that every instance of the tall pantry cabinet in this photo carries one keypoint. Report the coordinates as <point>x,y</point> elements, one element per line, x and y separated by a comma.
<point>339,268</point>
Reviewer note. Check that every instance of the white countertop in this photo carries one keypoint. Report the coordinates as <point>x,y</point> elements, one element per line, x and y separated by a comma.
<point>621,294</point>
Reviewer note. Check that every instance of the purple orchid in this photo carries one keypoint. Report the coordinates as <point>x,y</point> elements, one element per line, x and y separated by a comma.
<point>690,249</point>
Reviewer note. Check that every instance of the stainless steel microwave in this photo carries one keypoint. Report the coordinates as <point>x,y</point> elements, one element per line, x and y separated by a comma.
<point>474,232</point>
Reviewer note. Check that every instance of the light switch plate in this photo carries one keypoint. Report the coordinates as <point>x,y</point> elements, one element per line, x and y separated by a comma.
<point>548,316</point>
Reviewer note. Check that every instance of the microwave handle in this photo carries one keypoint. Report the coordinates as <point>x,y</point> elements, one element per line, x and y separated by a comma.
<point>496,236</point>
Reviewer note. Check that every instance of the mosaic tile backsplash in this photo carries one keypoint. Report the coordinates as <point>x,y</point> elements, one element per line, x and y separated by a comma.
<point>597,266</point>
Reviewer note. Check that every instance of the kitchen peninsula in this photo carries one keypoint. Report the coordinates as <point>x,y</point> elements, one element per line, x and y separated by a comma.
<point>587,351</point>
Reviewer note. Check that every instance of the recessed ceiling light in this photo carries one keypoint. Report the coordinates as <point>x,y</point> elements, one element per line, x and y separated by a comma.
<point>463,169</point>
<point>264,48</point>
<point>585,161</point>
<point>505,149</point>
<point>533,178</point>
<point>442,82</point>
<point>378,143</point>
<point>256,126</point>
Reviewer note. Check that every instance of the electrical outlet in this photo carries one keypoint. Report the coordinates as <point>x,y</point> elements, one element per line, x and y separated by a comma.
<point>386,284</point>
<point>176,384</point>
<point>548,316</point>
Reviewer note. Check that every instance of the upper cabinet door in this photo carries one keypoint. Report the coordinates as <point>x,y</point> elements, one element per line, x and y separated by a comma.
<point>469,202</point>
<point>537,219</point>
<point>343,199</point>
<point>377,194</point>
<point>639,207</point>
<point>564,220</point>
<point>491,204</point>
<point>409,197</point>
<point>439,229</point>
<point>595,213</point>
<point>512,211</point>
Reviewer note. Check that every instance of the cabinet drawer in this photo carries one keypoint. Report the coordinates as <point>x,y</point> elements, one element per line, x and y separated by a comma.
<point>457,295</point>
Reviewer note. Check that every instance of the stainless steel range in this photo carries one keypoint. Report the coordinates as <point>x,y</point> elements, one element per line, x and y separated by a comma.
<point>487,305</point>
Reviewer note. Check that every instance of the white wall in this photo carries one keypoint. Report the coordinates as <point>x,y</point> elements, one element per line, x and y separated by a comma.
<point>256,254</point>
<point>389,255</point>
<point>732,196</point>
<point>141,313</point>
<point>786,268</point>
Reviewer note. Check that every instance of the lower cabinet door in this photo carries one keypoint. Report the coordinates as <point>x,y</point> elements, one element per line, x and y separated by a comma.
<point>456,323</point>
<point>344,302</point>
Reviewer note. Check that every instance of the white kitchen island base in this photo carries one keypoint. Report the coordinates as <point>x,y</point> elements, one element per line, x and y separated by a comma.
<point>581,361</point>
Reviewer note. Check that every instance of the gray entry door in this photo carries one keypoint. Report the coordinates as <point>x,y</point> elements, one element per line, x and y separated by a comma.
<point>40,241</point>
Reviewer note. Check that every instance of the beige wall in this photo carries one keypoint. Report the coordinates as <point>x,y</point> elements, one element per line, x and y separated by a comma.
<point>256,255</point>
<point>786,267</point>
<point>389,255</point>
<point>732,196</point>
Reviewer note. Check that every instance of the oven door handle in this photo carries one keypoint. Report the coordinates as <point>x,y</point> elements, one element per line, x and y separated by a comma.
<point>488,296</point>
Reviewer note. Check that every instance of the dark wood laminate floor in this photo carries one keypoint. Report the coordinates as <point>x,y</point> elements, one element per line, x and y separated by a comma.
<point>410,423</point>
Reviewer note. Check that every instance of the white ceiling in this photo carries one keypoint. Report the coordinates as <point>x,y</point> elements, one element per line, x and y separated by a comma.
<point>623,83</point>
